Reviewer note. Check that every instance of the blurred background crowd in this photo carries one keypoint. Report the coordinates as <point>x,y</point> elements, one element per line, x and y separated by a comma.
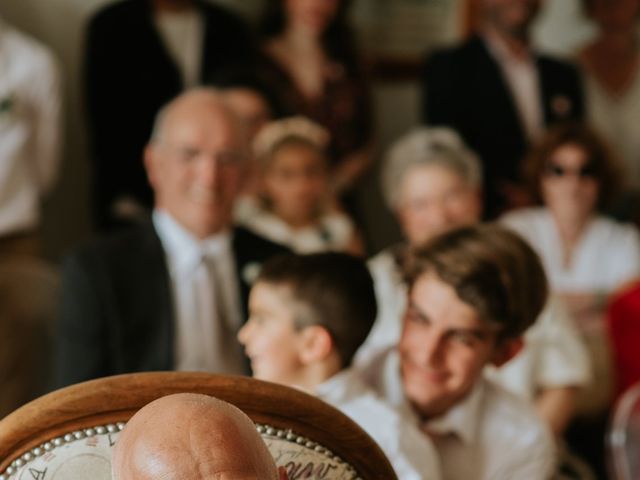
<point>408,118</point>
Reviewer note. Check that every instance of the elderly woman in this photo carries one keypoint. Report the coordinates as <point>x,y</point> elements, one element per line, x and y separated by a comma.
<point>586,255</point>
<point>432,182</point>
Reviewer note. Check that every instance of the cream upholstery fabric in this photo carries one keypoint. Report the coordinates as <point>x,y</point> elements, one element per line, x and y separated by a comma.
<point>89,457</point>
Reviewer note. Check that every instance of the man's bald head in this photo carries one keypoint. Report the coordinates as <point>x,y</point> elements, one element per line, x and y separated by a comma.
<point>191,103</point>
<point>190,437</point>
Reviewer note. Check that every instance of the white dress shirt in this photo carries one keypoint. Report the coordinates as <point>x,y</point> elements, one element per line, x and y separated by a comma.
<point>489,435</point>
<point>183,34</point>
<point>391,297</point>
<point>206,298</point>
<point>410,452</point>
<point>30,125</point>
<point>522,79</point>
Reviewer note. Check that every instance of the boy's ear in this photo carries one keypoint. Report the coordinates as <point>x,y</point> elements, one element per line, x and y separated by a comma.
<point>506,350</point>
<point>316,344</point>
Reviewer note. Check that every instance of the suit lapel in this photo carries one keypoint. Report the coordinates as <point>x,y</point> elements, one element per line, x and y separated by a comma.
<point>156,294</point>
<point>557,101</point>
<point>492,84</point>
<point>239,262</point>
<point>157,47</point>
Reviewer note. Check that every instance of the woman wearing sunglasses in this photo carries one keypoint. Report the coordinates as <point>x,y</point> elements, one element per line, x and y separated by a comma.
<point>587,256</point>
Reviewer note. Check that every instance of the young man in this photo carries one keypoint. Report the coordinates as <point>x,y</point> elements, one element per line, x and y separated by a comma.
<point>472,294</point>
<point>433,182</point>
<point>308,316</point>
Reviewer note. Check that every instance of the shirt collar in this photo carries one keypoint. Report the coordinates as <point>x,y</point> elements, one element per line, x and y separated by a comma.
<point>183,249</point>
<point>461,420</point>
<point>333,387</point>
<point>501,53</point>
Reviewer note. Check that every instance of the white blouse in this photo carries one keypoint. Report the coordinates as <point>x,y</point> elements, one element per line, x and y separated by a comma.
<point>607,255</point>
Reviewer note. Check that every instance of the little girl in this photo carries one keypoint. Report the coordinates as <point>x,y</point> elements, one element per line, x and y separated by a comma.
<point>292,207</point>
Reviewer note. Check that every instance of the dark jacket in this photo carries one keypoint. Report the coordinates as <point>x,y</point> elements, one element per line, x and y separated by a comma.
<point>116,314</point>
<point>464,89</point>
<point>129,75</point>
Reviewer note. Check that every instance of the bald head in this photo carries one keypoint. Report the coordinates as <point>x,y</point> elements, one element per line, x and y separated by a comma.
<point>190,437</point>
<point>192,104</point>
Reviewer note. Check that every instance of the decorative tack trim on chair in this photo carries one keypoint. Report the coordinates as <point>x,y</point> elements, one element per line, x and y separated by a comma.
<point>264,430</point>
<point>288,435</point>
<point>58,442</point>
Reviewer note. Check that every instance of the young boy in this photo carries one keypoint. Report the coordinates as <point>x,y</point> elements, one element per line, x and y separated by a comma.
<point>308,314</point>
<point>473,292</point>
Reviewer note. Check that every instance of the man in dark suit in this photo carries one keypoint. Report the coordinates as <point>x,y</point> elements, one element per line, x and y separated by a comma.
<point>500,95</point>
<point>139,55</point>
<point>171,293</point>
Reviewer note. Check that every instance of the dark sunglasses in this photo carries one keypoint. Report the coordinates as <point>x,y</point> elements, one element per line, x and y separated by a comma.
<point>586,171</point>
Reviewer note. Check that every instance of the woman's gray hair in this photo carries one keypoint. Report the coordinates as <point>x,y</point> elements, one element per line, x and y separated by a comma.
<point>427,146</point>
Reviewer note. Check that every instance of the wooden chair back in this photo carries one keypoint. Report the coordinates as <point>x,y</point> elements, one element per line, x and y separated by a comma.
<point>74,428</point>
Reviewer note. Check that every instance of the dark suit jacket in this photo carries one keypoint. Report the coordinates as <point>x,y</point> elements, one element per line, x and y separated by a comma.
<point>116,311</point>
<point>129,75</point>
<point>464,89</point>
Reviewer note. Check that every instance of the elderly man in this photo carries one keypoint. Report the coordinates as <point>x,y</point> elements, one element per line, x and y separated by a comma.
<point>192,436</point>
<point>139,55</point>
<point>432,181</point>
<point>500,95</point>
<point>169,294</point>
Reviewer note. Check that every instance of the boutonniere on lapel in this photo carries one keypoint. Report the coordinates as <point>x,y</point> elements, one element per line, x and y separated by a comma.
<point>250,272</point>
<point>561,106</point>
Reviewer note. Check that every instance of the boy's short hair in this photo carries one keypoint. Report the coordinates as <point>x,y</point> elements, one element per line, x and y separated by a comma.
<point>492,270</point>
<point>332,290</point>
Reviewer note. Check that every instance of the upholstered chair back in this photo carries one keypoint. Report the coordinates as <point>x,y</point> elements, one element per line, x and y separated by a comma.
<point>69,434</point>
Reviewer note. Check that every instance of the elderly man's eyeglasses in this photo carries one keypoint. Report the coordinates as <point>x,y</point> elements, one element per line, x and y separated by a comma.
<point>558,171</point>
<point>224,158</point>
